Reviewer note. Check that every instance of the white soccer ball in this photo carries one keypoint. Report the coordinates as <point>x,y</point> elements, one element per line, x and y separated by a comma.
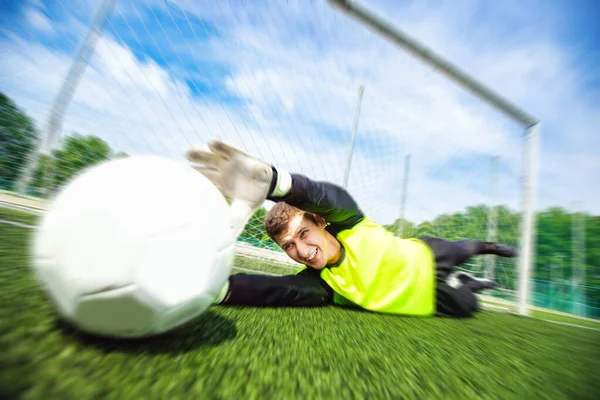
<point>135,247</point>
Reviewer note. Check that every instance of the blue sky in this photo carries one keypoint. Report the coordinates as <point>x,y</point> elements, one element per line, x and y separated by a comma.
<point>280,79</point>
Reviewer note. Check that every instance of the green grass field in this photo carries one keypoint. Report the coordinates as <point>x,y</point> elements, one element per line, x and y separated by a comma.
<point>285,353</point>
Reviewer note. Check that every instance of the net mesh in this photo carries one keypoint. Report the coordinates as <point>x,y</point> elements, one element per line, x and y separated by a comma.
<point>280,80</point>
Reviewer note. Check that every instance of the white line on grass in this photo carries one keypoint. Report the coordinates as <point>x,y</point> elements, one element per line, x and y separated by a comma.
<point>255,271</point>
<point>18,207</point>
<point>494,307</point>
<point>20,225</point>
<point>567,324</point>
<point>500,309</point>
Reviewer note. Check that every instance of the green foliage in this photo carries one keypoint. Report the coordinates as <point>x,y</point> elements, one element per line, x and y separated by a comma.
<point>120,154</point>
<point>403,228</point>
<point>553,244</point>
<point>254,232</point>
<point>18,138</point>
<point>555,258</point>
<point>41,175</point>
<point>77,153</point>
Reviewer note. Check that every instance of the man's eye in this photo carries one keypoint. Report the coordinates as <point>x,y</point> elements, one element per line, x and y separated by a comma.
<point>303,232</point>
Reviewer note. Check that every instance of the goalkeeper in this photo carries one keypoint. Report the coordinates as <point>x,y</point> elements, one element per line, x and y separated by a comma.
<point>348,259</point>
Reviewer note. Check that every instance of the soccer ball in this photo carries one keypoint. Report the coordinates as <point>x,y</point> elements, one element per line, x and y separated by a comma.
<point>134,247</point>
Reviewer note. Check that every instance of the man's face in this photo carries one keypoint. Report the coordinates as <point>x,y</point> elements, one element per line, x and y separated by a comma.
<point>306,242</point>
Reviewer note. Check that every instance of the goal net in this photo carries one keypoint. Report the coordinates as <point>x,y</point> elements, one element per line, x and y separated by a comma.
<point>282,81</point>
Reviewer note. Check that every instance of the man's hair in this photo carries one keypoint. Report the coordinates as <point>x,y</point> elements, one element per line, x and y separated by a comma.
<point>279,217</point>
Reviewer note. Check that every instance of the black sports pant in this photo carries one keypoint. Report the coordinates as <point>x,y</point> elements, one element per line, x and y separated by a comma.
<point>308,290</point>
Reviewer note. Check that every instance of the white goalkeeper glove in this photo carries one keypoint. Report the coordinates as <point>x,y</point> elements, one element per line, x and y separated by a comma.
<point>243,179</point>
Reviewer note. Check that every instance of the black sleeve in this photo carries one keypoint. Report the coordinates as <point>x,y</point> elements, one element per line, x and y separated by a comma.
<point>330,201</point>
<point>303,290</point>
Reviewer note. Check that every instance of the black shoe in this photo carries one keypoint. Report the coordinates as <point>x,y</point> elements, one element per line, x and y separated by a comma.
<point>475,284</point>
<point>500,250</point>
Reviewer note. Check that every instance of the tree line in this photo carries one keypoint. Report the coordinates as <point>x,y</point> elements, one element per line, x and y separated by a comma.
<point>19,137</point>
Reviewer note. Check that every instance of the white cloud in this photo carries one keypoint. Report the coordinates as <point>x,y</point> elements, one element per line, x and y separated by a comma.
<point>121,66</point>
<point>38,20</point>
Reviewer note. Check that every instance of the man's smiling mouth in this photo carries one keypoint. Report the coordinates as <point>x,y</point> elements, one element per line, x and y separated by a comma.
<point>313,256</point>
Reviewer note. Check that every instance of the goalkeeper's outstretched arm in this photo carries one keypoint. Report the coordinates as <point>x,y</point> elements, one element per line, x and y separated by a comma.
<point>330,201</point>
<point>248,181</point>
<point>302,290</point>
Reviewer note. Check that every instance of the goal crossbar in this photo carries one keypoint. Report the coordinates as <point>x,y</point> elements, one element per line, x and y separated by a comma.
<point>427,55</point>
